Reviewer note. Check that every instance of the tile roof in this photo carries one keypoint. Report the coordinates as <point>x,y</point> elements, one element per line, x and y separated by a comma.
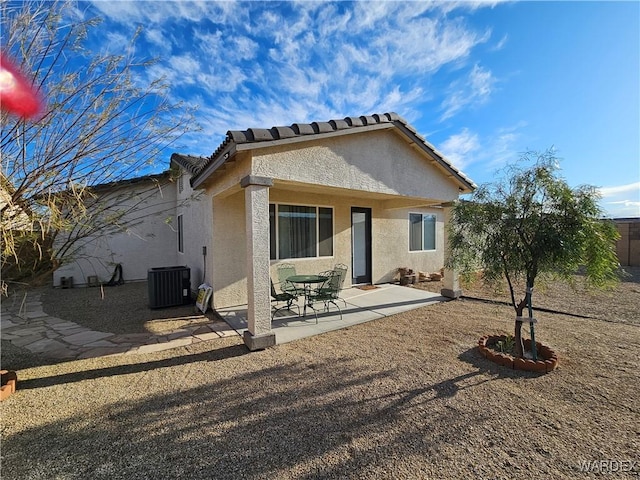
<point>190,163</point>
<point>202,167</point>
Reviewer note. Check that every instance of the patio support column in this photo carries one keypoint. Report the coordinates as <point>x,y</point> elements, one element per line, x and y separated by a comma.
<point>450,289</point>
<point>256,194</point>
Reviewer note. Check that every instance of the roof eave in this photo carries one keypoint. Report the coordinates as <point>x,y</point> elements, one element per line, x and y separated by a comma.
<point>224,155</point>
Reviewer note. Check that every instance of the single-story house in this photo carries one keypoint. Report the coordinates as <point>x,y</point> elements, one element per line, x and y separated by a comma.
<point>367,191</point>
<point>128,223</point>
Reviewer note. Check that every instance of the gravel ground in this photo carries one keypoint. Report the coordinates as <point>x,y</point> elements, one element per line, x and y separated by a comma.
<point>118,310</point>
<point>407,396</point>
<point>620,304</point>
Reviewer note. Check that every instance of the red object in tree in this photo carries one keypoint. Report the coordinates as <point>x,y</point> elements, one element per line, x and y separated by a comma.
<point>17,95</point>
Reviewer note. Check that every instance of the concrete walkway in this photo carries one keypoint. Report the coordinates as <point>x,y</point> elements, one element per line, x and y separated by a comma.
<point>28,326</point>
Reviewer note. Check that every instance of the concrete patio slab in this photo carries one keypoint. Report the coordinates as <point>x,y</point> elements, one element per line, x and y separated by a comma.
<point>362,306</point>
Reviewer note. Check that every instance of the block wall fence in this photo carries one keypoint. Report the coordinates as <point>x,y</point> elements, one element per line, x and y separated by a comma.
<point>628,247</point>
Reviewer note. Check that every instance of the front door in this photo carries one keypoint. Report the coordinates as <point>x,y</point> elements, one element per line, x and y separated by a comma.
<point>361,245</point>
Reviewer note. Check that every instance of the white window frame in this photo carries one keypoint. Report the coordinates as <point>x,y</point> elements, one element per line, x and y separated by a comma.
<point>317,207</point>
<point>422,242</point>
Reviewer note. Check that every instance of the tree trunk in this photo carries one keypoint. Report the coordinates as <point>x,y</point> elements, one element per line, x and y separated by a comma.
<point>519,345</point>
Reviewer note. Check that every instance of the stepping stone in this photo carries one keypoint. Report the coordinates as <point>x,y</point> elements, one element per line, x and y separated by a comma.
<point>178,334</point>
<point>72,331</point>
<point>22,341</point>
<point>44,345</point>
<point>131,337</point>
<point>61,353</point>
<point>158,347</point>
<point>64,325</point>
<point>202,330</point>
<point>8,336</point>
<point>223,329</point>
<point>25,332</point>
<point>83,338</point>
<point>207,336</point>
<point>54,321</point>
<point>102,343</point>
<point>102,352</point>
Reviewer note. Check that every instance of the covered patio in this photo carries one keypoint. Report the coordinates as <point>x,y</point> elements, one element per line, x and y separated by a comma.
<point>362,306</point>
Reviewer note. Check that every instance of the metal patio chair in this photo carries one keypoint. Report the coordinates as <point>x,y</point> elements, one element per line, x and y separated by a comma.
<point>283,297</point>
<point>339,269</point>
<point>286,270</point>
<point>327,293</point>
<point>342,269</point>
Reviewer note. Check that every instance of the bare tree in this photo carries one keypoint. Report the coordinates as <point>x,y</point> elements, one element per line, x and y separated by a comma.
<point>103,122</point>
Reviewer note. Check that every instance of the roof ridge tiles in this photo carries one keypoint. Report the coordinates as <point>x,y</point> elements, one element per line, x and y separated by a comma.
<point>339,124</point>
<point>322,127</point>
<point>298,129</point>
<point>280,133</point>
<point>302,128</point>
<point>354,121</point>
<point>261,134</point>
<point>191,163</point>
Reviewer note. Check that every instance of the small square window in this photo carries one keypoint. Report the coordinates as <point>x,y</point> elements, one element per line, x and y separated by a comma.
<point>422,232</point>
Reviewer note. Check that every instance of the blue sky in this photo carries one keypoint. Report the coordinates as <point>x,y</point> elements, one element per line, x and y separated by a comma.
<point>482,81</point>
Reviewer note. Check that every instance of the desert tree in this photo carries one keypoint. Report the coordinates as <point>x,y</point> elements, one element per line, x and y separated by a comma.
<point>530,224</point>
<point>104,121</point>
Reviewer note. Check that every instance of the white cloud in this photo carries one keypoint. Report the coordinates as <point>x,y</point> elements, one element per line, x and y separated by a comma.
<point>257,64</point>
<point>245,48</point>
<point>129,12</point>
<point>157,37</point>
<point>502,147</point>
<point>210,44</point>
<point>458,148</point>
<point>619,189</point>
<point>475,90</point>
<point>501,43</point>
<point>621,200</point>
<point>469,151</point>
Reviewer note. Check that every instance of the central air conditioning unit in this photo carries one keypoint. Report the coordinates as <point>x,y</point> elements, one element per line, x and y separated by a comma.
<point>169,286</point>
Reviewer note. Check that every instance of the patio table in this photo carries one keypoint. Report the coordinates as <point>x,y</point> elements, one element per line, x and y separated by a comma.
<point>307,281</point>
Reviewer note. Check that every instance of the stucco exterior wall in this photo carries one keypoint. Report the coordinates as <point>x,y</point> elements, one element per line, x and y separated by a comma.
<point>390,241</point>
<point>150,242</point>
<point>229,264</point>
<point>379,161</point>
<point>197,222</point>
<point>228,180</point>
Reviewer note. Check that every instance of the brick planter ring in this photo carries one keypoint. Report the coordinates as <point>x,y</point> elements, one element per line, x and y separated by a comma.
<point>9,379</point>
<point>547,358</point>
